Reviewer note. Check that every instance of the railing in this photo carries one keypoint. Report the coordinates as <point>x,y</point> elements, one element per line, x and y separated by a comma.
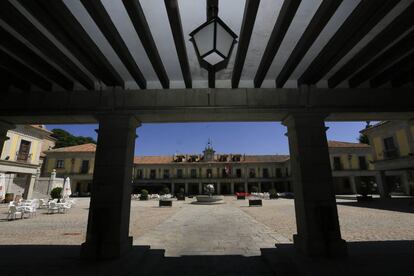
<point>23,157</point>
<point>391,153</point>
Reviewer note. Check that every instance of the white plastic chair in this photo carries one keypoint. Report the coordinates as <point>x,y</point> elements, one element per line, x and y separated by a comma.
<point>64,207</point>
<point>14,212</point>
<point>52,208</point>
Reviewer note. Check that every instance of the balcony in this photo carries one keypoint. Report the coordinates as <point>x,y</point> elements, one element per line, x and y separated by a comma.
<point>391,153</point>
<point>23,157</point>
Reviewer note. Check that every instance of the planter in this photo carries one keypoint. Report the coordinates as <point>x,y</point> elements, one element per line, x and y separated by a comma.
<point>255,202</point>
<point>241,197</point>
<point>165,203</point>
<point>8,197</point>
<point>364,198</point>
<point>180,197</point>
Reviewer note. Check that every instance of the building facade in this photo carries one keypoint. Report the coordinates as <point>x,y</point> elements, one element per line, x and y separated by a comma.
<point>75,162</point>
<point>22,157</point>
<point>352,168</point>
<point>392,145</point>
<point>229,173</point>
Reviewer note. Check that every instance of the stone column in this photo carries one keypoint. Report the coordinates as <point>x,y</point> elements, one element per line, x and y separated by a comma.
<point>30,182</point>
<point>353,184</point>
<point>317,222</point>
<point>108,222</point>
<point>246,187</point>
<point>172,188</point>
<point>218,188</point>
<point>382,185</point>
<point>200,188</point>
<point>186,188</point>
<point>232,188</point>
<point>404,182</point>
<point>259,186</point>
<point>4,128</point>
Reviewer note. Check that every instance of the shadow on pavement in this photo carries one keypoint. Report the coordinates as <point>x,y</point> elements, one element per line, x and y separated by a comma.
<point>365,258</point>
<point>405,205</point>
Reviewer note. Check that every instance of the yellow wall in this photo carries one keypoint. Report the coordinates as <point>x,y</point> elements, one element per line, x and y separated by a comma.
<point>34,148</point>
<point>403,142</point>
<point>377,144</point>
<point>13,146</point>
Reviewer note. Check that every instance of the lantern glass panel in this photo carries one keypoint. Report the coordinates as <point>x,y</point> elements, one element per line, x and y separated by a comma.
<point>204,39</point>
<point>224,41</point>
<point>213,58</point>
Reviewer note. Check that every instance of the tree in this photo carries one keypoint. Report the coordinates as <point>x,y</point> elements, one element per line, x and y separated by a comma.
<point>363,139</point>
<point>65,139</point>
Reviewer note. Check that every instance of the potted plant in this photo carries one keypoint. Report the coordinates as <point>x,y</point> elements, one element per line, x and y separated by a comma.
<point>56,193</point>
<point>144,195</point>
<point>273,194</point>
<point>255,201</point>
<point>165,191</point>
<point>364,193</point>
<point>240,194</point>
<point>181,194</point>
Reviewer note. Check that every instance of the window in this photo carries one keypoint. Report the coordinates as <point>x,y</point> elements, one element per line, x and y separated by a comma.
<point>193,173</point>
<point>337,163</point>
<point>252,173</point>
<point>362,162</point>
<point>140,175</point>
<point>24,151</point>
<point>60,164</point>
<point>209,173</point>
<point>391,150</point>
<point>278,172</point>
<point>85,166</point>
<point>166,174</point>
<point>239,173</point>
<point>265,173</point>
<point>179,173</point>
<point>152,174</point>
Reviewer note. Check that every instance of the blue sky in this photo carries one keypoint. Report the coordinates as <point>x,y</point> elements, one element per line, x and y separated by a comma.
<point>244,138</point>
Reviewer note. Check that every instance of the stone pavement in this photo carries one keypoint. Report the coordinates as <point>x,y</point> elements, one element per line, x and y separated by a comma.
<point>211,230</point>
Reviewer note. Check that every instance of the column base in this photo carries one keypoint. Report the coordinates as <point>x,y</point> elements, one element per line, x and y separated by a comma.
<point>98,251</point>
<point>334,248</point>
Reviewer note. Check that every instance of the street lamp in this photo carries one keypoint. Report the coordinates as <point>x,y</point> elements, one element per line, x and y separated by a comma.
<point>213,42</point>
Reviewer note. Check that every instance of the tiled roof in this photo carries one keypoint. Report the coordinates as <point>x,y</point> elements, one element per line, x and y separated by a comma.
<point>339,144</point>
<point>41,127</point>
<point>167,159</point>
<point>265,158</point>
<point>79,148</point>
<point>375,126</point>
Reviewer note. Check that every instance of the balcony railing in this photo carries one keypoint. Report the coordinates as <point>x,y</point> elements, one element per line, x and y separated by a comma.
<point>23,157</point>
<point>391,153</point>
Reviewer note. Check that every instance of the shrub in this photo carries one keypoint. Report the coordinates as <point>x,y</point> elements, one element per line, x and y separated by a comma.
<point>255,189</point>
<point>181,191</point>
<point>165,191</point>
<point>273,193</point>
<point>144,195</point>
<point>55,193</point>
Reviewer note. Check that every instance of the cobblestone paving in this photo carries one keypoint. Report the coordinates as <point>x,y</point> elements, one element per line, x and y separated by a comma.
<point>231,228</point>
<point>211,230</point>
<point>373,221</point>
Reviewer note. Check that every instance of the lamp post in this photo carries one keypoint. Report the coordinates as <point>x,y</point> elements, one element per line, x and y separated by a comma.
<point>213,40</point>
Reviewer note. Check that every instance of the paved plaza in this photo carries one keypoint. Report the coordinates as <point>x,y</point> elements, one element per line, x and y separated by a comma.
<point>225,239</point>
<point>229,228</point>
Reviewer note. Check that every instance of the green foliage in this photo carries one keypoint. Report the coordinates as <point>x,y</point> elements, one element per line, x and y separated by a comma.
<point>273,193</point>
<point>182,191</point>
<point>55,193</point>
<point>65,139</point>
<point>363,139</point>
<point>255,189</point>
<point>165,190</point>
<point>144,195</point>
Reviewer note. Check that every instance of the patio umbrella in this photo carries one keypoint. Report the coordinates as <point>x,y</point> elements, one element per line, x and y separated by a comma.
<point>2,186</point>
<point>66,191</point>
